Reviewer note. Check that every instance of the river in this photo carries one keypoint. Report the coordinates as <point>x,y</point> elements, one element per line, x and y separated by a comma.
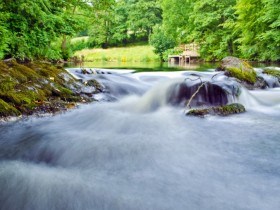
<point>136,151</point>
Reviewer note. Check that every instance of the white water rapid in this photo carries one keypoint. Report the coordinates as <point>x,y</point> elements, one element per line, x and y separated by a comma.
<point>140,153</point>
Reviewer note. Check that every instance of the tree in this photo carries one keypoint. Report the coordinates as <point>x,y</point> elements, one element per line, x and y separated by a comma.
<point>123,21</point>
<point>3,34</point>
<point>175,15</point>
<point>30,27</point>
<point>143,15</point>
<point>258,24</point>
<point>207,23</point>
<point>101,23</point>
<point>161,42</point>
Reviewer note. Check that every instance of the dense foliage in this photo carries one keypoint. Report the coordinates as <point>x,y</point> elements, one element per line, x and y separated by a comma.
<point>161,42</point>
<point>245,28</point>
<point>124,21</point>
<point>36,29</point>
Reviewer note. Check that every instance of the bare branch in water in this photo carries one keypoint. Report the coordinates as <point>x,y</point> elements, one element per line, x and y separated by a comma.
<point>193,95</point>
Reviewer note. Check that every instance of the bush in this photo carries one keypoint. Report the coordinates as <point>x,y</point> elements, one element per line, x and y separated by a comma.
<point>161,42</point>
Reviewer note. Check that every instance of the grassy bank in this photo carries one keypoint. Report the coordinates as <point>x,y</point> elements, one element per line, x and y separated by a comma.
<point>120,54</point>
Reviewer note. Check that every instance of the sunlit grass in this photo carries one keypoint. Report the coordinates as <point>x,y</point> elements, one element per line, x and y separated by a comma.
<point>77,39</point>
<point>120,54</point>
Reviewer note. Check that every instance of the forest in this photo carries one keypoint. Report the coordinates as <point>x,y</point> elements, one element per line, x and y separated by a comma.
<point>42,29</point>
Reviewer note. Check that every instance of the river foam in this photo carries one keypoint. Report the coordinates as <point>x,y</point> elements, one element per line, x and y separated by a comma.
<point>119,156</point>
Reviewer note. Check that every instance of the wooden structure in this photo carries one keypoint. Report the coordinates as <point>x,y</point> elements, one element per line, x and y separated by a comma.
<point>189,53</point>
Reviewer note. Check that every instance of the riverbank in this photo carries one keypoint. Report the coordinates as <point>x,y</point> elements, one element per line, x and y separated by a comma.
<point>142,53</point>
<point>36,88</point>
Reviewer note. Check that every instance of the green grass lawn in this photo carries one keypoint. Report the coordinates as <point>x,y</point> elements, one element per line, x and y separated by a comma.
<point>143,53</point>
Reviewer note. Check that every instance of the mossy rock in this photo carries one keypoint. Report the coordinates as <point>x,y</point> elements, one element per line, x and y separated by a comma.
<point>35,87</point>
<point>245,76</point>
<point>7,110</point>
<point>94,83</point>
<point>38,88</point>
<point>235,67</point>
<point>272,72</point>
<point>226,110</point>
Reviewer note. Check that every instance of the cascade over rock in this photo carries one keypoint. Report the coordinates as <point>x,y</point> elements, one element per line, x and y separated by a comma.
<point>272,72</point>
<point>204,93</point>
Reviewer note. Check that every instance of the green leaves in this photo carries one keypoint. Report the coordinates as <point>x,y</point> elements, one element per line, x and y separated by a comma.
<point>246,28</point>
<point>29,27</point>
<point>161,42</point>
<point>125,21</point>
<point>259,26</point>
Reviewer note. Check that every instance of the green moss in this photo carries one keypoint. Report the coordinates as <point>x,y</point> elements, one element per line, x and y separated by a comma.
<point>34,86</point>
<point>18,70</point>
<point>7,84</point>
<point>229,109</point>
<point>64,92</point>
<point>7,110</point>
<point>198,112</point>
<point>219,110</point>
<point>250,77</point>
<point>272,72</point>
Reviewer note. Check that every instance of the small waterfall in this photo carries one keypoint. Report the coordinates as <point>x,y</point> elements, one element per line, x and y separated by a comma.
<point>271,81</point>
<point>116,156</point>
<point>261,100</point>
<point>178,91</point>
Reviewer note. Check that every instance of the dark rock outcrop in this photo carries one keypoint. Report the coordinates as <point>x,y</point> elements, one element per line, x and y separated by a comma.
<point>209,94</point>
<point>203,93</point>
<point>219,110</point>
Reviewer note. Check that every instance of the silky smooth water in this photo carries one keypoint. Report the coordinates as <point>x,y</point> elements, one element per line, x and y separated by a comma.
<point>133,154</point>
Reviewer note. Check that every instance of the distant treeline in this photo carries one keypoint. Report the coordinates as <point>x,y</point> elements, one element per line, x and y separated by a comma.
<point>40,29</point>
<point>245,28</point>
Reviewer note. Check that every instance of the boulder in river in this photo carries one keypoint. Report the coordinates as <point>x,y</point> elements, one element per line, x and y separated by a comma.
<point>225,110</point>
<point>241,70</point>
<point>216,91</point>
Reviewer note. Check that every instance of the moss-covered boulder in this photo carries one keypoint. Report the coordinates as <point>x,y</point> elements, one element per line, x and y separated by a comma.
<point>7,110</point>
<point>36,87</point>
<point>225,110</point>
<point>241,70</point>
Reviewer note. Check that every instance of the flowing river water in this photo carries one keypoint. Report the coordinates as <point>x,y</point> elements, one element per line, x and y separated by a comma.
<point>136,151</point>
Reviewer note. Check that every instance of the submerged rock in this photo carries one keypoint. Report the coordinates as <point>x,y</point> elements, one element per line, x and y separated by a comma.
<point>241,70</point>
<point>272,72</point>
<point>225,110</point>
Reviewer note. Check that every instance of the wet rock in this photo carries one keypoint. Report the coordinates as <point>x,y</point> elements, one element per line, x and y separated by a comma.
<point>234,62</point>
<point>241,70</point>
<point>209,93</point>
<point>35,88</point>
<point>272,72</point>
<point>225,110</point>
<point>86,71</point>
<point>94,83</point>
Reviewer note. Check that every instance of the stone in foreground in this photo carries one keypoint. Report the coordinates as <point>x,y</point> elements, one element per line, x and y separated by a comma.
<point>225,110</point>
